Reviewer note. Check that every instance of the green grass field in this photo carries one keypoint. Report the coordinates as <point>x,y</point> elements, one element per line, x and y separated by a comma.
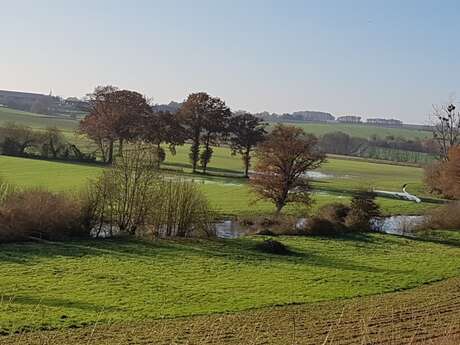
<point>362,131</point>
<point>81,282</point>
<point>33,120</point>
<point>230,195</point>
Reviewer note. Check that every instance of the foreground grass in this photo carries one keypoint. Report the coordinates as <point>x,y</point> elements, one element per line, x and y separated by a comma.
<point>231,195</point>
<point>427,315</point>
<point>81,282</point>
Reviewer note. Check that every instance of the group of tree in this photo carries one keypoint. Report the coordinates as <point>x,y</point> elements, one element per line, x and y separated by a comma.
<point>123,116</point>
<point>22,141</point>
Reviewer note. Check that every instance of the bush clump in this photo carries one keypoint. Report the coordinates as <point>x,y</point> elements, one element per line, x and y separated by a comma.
<point>318,226</point>
<point>335,212</point>
<point>272,247</point>
<point>362,210</point>
<point>40,214</point>
<point>445,217</point>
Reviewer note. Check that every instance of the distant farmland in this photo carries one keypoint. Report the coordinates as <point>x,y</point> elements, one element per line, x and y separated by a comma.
<point>35,120</point>
<point>362,131</point>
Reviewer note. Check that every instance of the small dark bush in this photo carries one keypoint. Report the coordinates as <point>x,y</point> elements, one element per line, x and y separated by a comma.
<point>363,209</point>
<point>272,247</point>
<point>41,214</point>
<point>269,221</point>
<point>266,232</point>
<point>335,212</point>
<point>274,225</point>
<point>317,226</point>
<point>245,221</point>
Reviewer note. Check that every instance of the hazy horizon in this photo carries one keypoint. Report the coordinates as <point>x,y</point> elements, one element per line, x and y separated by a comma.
<point>379,59</point>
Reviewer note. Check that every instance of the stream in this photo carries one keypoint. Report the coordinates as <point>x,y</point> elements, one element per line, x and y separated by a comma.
<point>395,225</point>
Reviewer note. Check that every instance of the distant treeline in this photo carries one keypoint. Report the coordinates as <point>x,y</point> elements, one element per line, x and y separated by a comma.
<point>22,141</point>
<point>389,148</point>
<point>323,117</point>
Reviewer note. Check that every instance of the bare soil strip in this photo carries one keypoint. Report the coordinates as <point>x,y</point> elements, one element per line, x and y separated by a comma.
<point>425,315</point>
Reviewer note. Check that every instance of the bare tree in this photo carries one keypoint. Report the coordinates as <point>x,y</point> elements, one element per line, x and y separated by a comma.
<point>126,191</point>
<point>446,129</point>
<point>283,159</point>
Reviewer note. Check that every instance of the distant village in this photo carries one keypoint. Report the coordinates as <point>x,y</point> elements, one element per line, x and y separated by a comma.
<point>74,107</point>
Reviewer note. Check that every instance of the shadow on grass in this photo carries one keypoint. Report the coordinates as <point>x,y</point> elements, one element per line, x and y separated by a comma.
<point>54,302</point>
<point>219,171</point>
<point>241,250</point>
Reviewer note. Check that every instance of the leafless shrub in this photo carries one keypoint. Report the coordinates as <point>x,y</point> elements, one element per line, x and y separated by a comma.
<point>40,213</point>
<point>121,197</point>
<point>180,209</point>
<point>444,217</point>
<point>273,225</point>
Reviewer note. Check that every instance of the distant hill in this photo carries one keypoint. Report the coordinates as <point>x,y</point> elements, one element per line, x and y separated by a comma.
<point>172,107</point>
<point>43,104</point>
<point>298,116</point>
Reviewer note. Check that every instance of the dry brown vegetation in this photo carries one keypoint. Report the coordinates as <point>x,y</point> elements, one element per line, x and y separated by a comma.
<point>444,217</point>
<point>444,177</point>
<point>41,214</point>
<point>425,315</point>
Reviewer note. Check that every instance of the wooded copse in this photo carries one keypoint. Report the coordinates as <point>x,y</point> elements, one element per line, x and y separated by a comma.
<point>204,121</point>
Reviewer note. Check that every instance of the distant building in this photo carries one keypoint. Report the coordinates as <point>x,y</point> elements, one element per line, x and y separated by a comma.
<point>385,122</point>
<point>349,119</point>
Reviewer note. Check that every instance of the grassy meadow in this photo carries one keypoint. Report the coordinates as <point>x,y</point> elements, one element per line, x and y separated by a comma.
<point>33,120</point>
<point>83,282</point>
<point>362,131</point>
<point>227,191</point>
<point>184,289</point>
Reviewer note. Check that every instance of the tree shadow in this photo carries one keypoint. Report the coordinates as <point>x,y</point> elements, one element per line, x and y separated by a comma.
<point>241,250</point>
<point>55,302</point>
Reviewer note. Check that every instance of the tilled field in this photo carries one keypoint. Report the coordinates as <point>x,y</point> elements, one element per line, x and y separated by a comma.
<point>425,315</point>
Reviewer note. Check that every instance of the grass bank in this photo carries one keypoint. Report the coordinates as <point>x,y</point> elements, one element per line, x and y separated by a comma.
<point>229,194</point>
<point>81,282</point>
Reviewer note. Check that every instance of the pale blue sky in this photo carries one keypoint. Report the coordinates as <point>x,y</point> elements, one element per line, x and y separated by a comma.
<point>371,58</point>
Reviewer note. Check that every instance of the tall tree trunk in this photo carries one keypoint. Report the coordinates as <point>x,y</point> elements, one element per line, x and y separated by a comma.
<point>110,153</point>
<point>247,161</point>
<point>206,155</point>
<point>194,154</point>
<point>158,156</point>
<point>279,207</point>
<point>120,147</point>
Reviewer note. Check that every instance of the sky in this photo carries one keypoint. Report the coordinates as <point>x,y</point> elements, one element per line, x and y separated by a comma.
<point>369,58</point>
